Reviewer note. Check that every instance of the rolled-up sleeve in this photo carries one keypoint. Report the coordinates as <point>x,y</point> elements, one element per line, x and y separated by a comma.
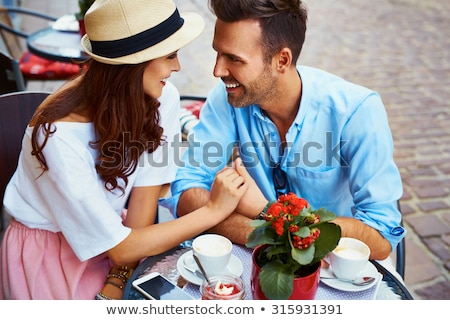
<point>374,179</point>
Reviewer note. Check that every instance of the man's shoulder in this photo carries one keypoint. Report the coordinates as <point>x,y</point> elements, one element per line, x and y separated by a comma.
<point>324,89</point>
<point>327,80</point>
<point>218,93</point>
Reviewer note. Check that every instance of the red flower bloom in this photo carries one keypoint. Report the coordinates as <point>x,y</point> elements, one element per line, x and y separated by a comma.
<point>275,210</point>
<point>278,225</point>
<point>287,208</point>
<point>303,243</point>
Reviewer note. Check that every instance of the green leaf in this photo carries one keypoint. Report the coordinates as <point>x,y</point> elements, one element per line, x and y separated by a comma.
<point>276,281</point>
<point>303,232</point>
<point>263,235</point>
<point>258,223</point>
<point>83,5</point>
<point>330,233</point>
<point>276,250</point>
<point>303,256</point>
<point>325,215</point>
<point>304,213</point>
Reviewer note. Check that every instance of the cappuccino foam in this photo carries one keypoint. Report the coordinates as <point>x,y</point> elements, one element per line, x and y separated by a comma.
<point>349,253</point>
<point>212,247</point>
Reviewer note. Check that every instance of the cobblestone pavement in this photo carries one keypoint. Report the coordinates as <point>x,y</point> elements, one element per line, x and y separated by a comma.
<point>401,48</point>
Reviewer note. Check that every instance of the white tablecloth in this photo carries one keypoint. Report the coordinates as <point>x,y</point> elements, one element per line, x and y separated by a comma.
<point>379,291</point>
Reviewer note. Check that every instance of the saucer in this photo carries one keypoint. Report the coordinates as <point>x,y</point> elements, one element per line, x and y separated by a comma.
<point>67,23</point>
<point>369,270</point>
<point>234,266</point>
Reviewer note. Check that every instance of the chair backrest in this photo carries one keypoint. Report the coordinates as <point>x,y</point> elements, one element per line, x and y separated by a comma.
<point>190,113</point>
<point>400,260</point>
<point>16,110</point>
<point>11,78</point>
<point>9,35</point>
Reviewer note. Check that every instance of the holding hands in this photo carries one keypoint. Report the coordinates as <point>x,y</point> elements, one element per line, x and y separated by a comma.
<point>253,201</point>
<point>228,187</point>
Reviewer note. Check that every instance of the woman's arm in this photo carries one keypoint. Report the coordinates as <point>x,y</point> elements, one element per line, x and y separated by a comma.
<point>146,238</point>
<point>236,227</point>
<point>141,212</point>
<point>226,192</point>
<point>142,206</point>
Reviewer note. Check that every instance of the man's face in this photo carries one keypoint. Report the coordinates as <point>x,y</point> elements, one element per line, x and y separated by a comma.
<point>240,63</point>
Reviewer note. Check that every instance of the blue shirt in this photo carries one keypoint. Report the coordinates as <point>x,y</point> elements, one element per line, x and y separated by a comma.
<point>339,154</point>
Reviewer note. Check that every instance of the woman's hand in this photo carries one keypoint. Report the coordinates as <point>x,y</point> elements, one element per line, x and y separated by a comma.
<point>253,201</point>
<point>226,191</point>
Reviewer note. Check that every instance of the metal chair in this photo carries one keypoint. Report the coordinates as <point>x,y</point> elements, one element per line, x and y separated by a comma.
<point>16,110</point>
<point>400,260</point>
<point>190,112</point>
<point>11,78</point>
<point>31,66</point>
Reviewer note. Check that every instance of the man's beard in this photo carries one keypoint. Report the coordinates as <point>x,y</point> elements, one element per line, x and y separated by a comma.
<point>258,91</point>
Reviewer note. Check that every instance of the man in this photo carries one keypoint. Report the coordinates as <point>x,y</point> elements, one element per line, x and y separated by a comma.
<point>298,129</point>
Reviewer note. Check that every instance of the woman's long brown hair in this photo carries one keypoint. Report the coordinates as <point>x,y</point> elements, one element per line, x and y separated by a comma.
<point>125,119</point>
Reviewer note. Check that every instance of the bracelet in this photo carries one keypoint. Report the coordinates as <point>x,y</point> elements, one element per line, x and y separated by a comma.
<point>120,286</point>
<point>101,296</point>
<point>263,213</point>
<point>117,276</point>
<point>124,271</point>
<point>260,216</point>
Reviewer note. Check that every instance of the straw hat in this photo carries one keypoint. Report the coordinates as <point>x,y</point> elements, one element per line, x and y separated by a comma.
<point>135,31</point>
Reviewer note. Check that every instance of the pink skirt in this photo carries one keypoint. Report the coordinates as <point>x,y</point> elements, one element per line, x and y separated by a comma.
<point>39,264</point>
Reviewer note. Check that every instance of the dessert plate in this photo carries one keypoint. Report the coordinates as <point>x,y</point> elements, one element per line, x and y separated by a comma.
<point>369,270</point>
<point>66,23</point>
<point>234,266</point>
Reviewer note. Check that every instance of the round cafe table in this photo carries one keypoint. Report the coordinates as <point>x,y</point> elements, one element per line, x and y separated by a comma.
<point>388,286</point>
<point>51,44</point>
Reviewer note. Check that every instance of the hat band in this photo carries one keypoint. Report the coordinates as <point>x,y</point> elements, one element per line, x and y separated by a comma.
<point>138,42</point>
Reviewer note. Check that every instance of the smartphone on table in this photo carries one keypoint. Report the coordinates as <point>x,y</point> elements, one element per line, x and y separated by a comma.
<point>155,286</point>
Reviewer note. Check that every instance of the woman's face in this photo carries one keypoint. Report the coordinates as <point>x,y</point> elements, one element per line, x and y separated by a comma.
<point>157,72</point>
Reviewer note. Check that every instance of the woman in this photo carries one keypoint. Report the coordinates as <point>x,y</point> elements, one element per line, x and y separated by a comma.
<point>100,143</point>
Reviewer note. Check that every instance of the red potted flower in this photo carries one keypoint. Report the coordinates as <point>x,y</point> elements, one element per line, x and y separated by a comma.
<point>289,244</point>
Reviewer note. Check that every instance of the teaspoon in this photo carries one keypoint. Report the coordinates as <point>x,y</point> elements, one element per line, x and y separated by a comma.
<point>192,270</point>
<point>361,281</point>
<point>201,269</point>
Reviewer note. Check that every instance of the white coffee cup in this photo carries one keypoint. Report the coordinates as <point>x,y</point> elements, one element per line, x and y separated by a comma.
<point>349,258</point>
<point>213,251</point>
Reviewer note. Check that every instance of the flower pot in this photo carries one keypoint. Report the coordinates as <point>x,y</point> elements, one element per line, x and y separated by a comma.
<point>82,27</point>
<point>305,287</point>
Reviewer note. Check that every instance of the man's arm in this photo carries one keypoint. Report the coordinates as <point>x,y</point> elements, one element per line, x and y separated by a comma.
<point>375,181</point>
<point>380,248</point>
<point>191,200</point>
<point>236,227</point>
